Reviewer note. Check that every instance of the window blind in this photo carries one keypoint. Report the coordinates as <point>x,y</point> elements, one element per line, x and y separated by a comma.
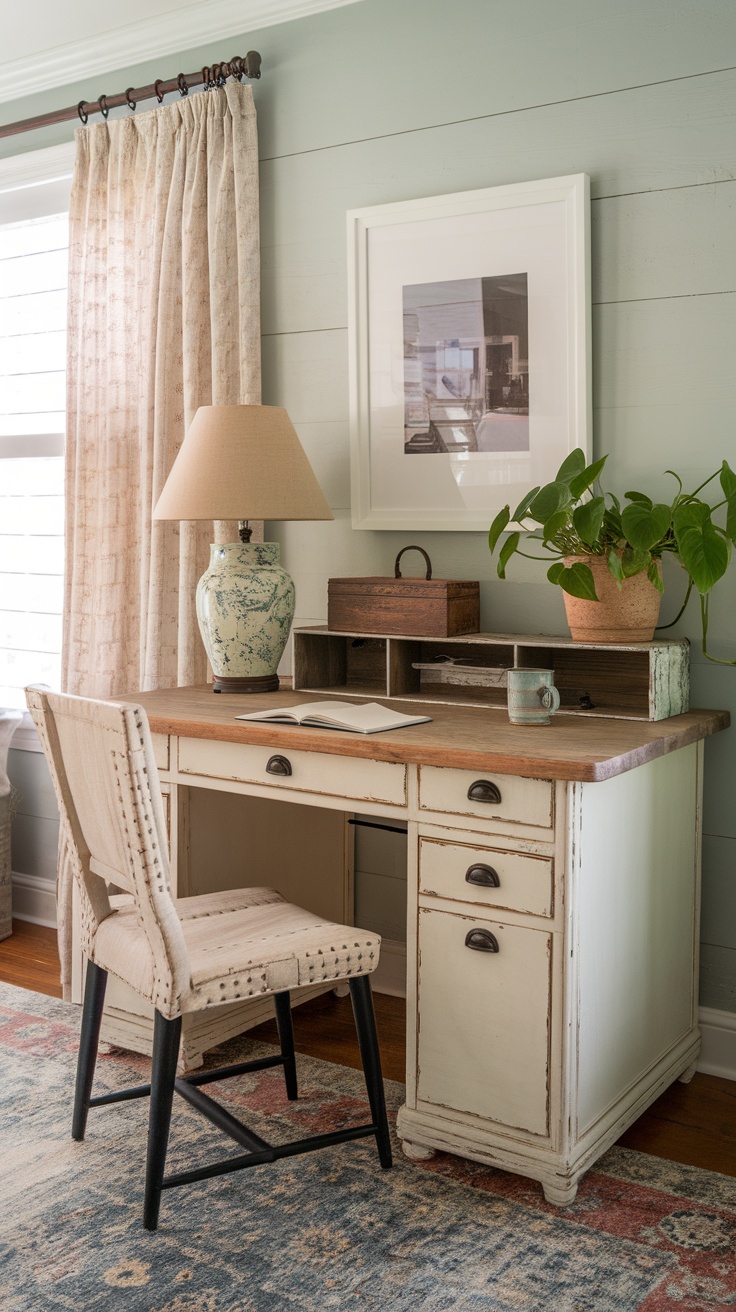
<point>33,280</point>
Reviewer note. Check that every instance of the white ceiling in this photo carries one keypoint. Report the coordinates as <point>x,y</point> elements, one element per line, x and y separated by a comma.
<point>47,44</point>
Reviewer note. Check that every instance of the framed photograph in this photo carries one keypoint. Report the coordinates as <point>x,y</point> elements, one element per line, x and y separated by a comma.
<point>469,351</point>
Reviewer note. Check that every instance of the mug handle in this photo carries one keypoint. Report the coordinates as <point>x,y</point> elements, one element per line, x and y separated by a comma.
<point>550,699</point>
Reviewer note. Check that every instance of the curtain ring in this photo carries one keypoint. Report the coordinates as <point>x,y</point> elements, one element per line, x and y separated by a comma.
<point>183,85</point>
<point>206,76</point>
<point>131,103</point>
<point>216,75</point>
<point>80,110</point>
<point>159,94</point>
<point>104,108</point>
<point>236,68</point>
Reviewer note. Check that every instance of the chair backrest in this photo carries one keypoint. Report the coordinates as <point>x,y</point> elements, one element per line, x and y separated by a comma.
<point>101,759</point>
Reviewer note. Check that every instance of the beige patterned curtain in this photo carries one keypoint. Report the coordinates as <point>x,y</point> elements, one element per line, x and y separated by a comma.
<point>163,318</point>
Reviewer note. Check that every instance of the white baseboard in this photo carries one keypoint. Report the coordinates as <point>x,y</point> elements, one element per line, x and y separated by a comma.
<point>34,899</point>
<point>718,1053</point>
<point>390,976</point>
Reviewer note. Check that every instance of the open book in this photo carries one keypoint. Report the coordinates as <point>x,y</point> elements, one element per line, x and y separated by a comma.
<point>367,717</point>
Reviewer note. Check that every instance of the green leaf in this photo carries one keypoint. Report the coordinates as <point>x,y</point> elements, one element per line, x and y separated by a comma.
<point>639,497</point>
<point>655,577</point>
<point>612,524</point>
<point>571,466</point>
<point>549,500</point>
<point>586,479</point>
<point>507,551</point>
<point>588,519</point>
<point>577,581</point>
<point>554,571</point>
<point>728,483</point>
<point>614,565</point>
<point>634,561</point>
<point>524,505</point>
<point>704,551</point>
<point>554,525</point>
<point>497,528</point>
<point>644,524</point>
<point>614,501</point>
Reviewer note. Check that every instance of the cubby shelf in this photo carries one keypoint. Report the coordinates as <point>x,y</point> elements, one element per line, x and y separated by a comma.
<point>640,681</point>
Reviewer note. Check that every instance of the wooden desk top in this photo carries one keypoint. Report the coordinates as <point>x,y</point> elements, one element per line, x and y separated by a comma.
<point>572,747</point>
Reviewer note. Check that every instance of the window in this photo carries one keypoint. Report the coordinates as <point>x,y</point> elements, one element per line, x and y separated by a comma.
<point>34,198</point>
<point>33,272</point>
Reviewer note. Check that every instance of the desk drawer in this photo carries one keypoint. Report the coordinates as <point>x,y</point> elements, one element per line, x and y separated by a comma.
<point>311,772</point>
<point>484,1036</point>
<point>161,750</point>
<point>487,796</point>
<point>486,876</point>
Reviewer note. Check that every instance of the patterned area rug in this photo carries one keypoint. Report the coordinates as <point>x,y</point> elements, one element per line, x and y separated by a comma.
<point>325,1231</point>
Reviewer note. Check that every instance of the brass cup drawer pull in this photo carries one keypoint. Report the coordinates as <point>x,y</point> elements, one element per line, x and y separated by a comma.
<point>278,765</point>
<point>484,791</point>
<point>481,940</point>
<point>484,876</point>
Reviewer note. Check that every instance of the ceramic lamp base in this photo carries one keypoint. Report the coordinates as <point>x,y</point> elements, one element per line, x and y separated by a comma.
<point>267,683</point>
<point>245,605</point>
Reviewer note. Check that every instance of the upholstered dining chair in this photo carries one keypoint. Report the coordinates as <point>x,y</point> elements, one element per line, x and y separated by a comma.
<point>184,954</point>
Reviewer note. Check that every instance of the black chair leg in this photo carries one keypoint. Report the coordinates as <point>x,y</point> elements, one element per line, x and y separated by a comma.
<point>282,1003</point>
<point>365,1024</point>
<point>166,1037</point>
<point>94,1001</point>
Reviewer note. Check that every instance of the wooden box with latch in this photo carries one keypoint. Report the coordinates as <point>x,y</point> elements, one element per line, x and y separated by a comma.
<point>410,607</point>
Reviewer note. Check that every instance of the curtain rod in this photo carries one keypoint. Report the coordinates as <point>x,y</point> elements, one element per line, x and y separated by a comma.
<point>215,76</point>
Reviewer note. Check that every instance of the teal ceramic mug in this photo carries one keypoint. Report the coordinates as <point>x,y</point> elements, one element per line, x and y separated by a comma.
<point>532,696</point>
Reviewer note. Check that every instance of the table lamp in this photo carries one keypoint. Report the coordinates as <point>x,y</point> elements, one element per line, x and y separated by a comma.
<point>243,462</point>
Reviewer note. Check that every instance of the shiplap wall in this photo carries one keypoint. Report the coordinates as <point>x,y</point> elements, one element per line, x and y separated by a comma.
<point>385,101</point>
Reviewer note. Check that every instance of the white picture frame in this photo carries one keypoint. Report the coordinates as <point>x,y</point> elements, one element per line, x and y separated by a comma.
<point>451,417</point>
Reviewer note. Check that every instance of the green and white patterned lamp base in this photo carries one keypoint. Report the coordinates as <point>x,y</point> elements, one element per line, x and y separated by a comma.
<point>245,606</point>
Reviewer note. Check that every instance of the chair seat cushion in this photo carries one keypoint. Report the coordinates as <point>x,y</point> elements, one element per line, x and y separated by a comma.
<point>251,941</point>
<point>241,944</point>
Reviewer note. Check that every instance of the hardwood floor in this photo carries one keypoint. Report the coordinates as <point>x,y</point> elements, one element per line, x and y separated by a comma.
<point>29,959</point>
<point>693,1123</point>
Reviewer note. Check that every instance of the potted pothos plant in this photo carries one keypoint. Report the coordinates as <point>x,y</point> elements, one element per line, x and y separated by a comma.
<point>607,557</point>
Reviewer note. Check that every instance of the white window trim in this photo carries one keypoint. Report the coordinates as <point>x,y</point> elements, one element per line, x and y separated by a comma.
<point>36,168</point>
<point>17,173</point>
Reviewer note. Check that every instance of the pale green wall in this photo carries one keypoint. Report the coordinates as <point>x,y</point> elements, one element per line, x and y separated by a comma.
<point>391,99</point>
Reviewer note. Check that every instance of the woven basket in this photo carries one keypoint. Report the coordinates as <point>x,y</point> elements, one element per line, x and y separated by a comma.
<point>8,804</point>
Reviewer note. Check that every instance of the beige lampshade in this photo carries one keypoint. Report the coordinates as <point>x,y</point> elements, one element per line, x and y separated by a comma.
<point>241,462</point>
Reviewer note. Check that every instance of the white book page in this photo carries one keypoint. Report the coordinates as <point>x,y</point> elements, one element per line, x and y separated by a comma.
<point>368,717</point>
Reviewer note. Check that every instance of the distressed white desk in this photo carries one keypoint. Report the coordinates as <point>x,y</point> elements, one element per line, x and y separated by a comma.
<point>553,889</point>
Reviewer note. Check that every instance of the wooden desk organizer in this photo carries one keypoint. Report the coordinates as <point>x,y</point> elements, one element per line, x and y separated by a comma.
<point>641,681</point>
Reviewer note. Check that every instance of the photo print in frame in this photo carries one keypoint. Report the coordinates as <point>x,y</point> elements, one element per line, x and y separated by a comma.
<point>469,345</point>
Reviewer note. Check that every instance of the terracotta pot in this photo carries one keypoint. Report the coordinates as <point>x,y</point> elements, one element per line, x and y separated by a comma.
<point>626,614</point>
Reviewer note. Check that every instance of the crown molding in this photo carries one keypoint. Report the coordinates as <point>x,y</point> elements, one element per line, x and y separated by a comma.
<point>151,38</point>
